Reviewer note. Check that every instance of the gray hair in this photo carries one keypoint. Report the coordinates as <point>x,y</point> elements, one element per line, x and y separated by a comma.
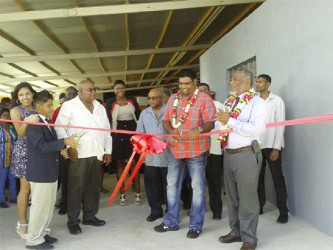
<point>248,73</point>
<point>166,91</point>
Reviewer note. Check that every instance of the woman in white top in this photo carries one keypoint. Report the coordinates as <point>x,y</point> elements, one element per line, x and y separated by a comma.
<point>123,113</point>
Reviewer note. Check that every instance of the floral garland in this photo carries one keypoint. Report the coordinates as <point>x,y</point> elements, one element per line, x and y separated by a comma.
<point>182,118</point>
<point>236,111</point>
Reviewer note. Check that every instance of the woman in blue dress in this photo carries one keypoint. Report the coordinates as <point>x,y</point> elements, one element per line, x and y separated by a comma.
<point>22,110</point>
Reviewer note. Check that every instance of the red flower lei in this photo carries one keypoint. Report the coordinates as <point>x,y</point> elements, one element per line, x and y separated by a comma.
<point>237,110</point>
<point>182,118</point>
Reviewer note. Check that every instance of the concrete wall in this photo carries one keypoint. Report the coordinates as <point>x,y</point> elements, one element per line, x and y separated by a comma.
<point>293,42</point>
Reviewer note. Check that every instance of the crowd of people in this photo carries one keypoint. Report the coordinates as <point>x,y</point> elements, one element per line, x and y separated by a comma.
<point>51,157</point>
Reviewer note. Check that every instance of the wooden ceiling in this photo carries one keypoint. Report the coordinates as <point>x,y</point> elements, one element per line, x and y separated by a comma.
<point>54,44</point>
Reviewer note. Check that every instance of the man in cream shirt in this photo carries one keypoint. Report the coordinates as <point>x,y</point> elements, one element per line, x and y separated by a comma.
<point>94,146</point>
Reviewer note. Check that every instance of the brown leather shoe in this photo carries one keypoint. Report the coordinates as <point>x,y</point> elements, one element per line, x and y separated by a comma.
<point>229,238</point>
<point>248,246</point>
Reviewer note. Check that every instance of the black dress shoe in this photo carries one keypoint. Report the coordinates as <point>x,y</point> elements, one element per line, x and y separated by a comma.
<point>43,245</point>
<point>283,218</point>
<point>62,211</point>
<point>75,229</point>
<point>261,211</point>
<point>50,239</point>
<point>217,217</point>
<point>94,222</point>
<point>152,218</point>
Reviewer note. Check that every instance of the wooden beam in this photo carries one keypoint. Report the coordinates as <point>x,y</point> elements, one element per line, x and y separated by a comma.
<point>117,9</point>
<point>109,85</point>
<point>141,87</point>
<point>32,58</point>
<point>160,39</point>
<point>83,76</point>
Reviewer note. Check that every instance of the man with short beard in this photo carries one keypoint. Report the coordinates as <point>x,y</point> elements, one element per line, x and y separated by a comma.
<point>245,113</point>
<point>188,114</point>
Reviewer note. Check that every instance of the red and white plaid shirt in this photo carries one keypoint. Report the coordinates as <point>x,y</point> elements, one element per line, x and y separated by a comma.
<point>202,111</point>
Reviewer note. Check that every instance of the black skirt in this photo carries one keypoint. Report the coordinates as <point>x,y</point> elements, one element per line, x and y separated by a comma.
<point>122,148</point>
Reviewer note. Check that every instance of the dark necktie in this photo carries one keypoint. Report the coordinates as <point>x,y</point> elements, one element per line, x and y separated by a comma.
<point>224,143</point>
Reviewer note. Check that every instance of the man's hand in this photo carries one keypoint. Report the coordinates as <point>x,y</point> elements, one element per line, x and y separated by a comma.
<point>274,155</point>
<point>106,159</point>
<point>192,133</point>
<point>222,116</point>
<point>64,153</point>
<point>72,154</point>
<point>177,132</point>
<point>70,141</point>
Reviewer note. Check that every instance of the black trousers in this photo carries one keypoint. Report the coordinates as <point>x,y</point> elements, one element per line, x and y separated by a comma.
<point>84,177</point>
<point>214,172</point>
<point>155,179</point>
<point>278,180</point>
<point>63,178</point>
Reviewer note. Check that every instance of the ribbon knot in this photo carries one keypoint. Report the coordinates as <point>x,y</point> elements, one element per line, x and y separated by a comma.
<point>142,144</point>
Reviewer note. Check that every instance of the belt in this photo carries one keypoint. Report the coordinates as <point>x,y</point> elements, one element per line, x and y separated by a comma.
<point>238,150</point>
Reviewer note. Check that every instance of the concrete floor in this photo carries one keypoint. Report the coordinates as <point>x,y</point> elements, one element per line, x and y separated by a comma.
<point>127,228</point>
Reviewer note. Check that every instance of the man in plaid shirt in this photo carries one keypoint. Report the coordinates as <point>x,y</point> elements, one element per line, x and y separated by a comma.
<point>188,149</point>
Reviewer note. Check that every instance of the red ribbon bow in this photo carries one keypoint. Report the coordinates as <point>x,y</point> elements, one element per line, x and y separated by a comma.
<point>142,144</point>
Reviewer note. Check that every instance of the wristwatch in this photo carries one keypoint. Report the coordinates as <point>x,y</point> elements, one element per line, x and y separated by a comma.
<point>200,130</point>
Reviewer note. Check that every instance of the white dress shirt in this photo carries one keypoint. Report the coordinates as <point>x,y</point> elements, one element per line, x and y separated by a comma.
<point>215,147</point>
<point>248,125</point>
<point>44,120</point>
<point>273,137</point>
<point>93,142</point>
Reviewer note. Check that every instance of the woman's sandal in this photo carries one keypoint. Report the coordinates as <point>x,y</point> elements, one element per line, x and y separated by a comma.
<point>21,234</point>
<point>122,200</point>
<point>137,198</point>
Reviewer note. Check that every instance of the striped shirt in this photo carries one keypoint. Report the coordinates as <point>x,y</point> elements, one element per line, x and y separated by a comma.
<point>202,111</point>
<point>150,124</point>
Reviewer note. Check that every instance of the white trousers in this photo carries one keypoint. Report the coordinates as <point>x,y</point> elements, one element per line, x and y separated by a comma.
<point>43,197</point>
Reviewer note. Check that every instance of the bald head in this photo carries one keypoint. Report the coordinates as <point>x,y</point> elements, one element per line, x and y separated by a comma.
<point>155,98</point>
<point>87,91</point>
<point>156,91</point>
<point>83,83</point>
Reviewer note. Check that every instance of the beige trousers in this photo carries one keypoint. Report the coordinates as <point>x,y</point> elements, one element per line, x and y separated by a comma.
<point>43,197</point>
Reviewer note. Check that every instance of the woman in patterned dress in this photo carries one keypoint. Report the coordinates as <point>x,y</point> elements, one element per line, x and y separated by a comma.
<point>22,110</point>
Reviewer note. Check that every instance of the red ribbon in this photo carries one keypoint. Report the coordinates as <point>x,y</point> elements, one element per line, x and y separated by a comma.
<point>142,144</point>
<point>299,121</point>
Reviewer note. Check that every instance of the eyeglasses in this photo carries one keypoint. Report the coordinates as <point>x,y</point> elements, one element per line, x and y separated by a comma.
<point>153,97</point>
<point>91,90</point>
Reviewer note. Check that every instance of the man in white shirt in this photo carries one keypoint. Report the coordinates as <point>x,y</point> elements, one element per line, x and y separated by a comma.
<point>214,167</point>
<point>271,143</point>
<point>245,113</point>
<point>94,147</point>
